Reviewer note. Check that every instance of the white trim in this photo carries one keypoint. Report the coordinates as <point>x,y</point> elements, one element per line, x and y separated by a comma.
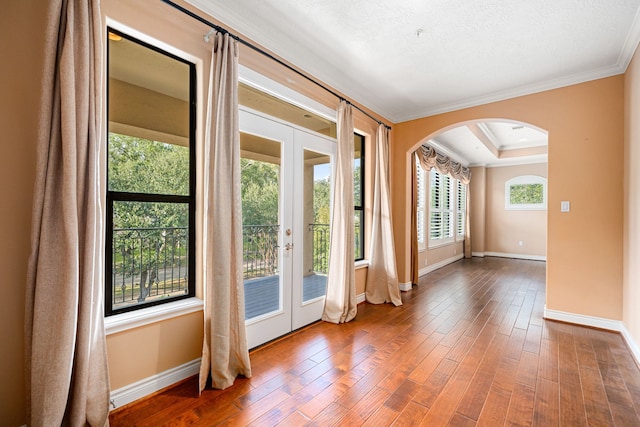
<point>437,265</point>
<point>264,84</point>
<point>633,346</point>
<point>360,298</point>
<point>405,286</point>
<point>580,77</point>
<point>478,254</point>
<point>154,383</point>
<point>517,256</point>
<point>582,320</point>
<point>361,264</point>
<point>145,316</point>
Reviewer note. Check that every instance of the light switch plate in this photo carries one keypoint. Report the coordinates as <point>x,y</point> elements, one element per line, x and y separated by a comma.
<point>565,206</point>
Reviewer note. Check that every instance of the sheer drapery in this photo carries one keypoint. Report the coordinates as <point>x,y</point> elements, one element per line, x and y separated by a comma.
<point>429,159</point>
<point>66,362</point>
<point>340,302</point>
<point>382,279</point>
<point>224,350</point>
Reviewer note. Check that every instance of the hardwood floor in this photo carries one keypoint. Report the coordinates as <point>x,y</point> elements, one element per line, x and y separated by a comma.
<point>468,347</point>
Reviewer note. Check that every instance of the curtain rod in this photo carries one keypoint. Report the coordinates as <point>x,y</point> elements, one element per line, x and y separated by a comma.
<point>268,55</point>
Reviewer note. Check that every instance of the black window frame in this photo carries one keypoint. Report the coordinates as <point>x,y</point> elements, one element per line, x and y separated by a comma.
<point>359,209</point>
<point>117,196</point>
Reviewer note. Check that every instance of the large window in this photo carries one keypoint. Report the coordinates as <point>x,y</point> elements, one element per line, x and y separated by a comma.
<point>150,176</point>
<point>358,195</point>
<point>445,220</point>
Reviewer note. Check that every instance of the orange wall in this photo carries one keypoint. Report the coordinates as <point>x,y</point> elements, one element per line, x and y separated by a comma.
<point>584,247</point>
<point>631,290</point>
<point>20,70</point>
<point>505,228</point>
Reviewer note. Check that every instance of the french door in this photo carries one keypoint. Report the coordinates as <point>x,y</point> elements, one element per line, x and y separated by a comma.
<point>286,175</point>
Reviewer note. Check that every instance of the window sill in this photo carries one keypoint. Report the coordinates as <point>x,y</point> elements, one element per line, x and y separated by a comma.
<point>145,316</point>
<point>361,264</point>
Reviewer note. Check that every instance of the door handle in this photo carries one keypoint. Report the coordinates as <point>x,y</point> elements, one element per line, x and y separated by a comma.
<point>288,246</point>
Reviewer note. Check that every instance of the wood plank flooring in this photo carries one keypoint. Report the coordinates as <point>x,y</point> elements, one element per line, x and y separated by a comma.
<point>469,347</point>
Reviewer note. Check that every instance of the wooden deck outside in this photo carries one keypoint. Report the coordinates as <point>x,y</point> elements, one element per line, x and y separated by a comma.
<point>468,347</point>
<point>262,295</point>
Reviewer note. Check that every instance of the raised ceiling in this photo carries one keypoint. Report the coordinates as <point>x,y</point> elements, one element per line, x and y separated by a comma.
<point>414,58</point>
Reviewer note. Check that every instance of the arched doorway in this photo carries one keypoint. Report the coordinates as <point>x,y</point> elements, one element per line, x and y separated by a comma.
<point>507,193</point>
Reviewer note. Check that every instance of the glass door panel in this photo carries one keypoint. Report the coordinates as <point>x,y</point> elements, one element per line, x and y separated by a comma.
<point>260,180</point>
<point>313,157</point>
<point>265,147</point>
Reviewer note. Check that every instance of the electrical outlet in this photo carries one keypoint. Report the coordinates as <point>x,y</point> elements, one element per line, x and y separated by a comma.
<point>520,243</point>
<point>426,262</point>
<point>455,251</point>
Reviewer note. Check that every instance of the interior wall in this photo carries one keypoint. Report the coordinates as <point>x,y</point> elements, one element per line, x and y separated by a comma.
<point>477,209</point>
<point>631,287</point>
<point>584,261</point>
<point>505,229</point>
<point>20,77</point>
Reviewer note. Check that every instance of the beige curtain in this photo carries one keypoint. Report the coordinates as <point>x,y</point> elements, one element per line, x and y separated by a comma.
<point>224,350</point>
<point>340,302</point>
<point>66,363</point>
<point>467,226</point>
<point>382,279</point>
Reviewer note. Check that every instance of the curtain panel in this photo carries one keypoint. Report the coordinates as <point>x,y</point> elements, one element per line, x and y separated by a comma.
<point>67,377</point>
<point>224,350</point>
<point>340,302</point>
<point>382,279</point>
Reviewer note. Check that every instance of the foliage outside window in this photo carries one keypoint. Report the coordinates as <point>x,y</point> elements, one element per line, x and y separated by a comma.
<point>527,192</point>
<point>358,196</point>
<point>150,178</point>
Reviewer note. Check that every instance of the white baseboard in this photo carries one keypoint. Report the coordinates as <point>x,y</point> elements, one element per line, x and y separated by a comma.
<point>147,386</point>
<point>437,265</point>
<point>633,346</point>
<point>517,256</point>
<point>360,298</point>
<point>597,322</point>
<point>581,319</point>
<point>405,286</point>
<point>478,254</point>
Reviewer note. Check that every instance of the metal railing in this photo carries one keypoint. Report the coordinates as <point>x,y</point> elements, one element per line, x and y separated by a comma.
<point>149,263</point>
<point>320,245</point>
<point>260,250</point>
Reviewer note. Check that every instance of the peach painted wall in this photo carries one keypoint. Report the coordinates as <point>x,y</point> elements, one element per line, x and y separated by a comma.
<point>584,247</point>
<point>504,229</point>
<point>631,271</point>
<point>20,76</point>
<point>478,204</point>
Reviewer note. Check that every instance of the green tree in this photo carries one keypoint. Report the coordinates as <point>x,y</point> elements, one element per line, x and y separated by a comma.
<point>260,192</point>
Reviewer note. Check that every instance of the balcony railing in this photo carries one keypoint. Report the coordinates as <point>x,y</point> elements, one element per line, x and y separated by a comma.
<point>152,263</point>
<point>149,263</point>
<point>320,254</point>
<point>260,250</point>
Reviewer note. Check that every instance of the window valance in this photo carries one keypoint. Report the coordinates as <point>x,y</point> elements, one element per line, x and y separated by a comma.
<point>429,158</point>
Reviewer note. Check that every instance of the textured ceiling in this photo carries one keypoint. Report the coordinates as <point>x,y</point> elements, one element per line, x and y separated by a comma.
<point>414,58</point>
